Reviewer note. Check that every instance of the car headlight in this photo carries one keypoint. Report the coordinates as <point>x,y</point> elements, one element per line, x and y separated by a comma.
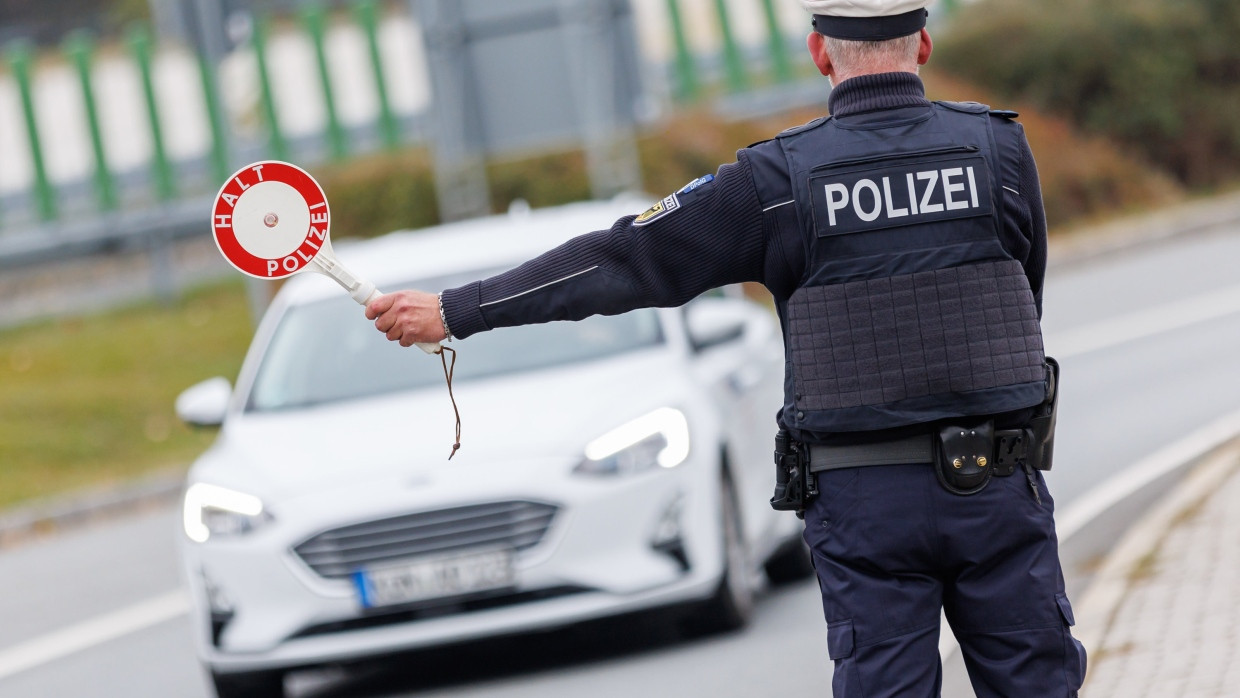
<point>211,510</point>
<point>658,438</point>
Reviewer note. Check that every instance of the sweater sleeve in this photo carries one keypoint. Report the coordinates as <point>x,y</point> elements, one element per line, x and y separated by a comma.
<point>1024,220</point>
<point>704,236</point>
<point>1031,187</point>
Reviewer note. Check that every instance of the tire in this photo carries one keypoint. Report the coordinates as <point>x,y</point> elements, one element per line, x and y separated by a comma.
<point>258,684</point>
<point>731,606</point>
<point>790,563</point>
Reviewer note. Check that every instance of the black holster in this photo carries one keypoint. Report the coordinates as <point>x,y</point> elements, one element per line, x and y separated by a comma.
<point>1033,445</point>
<point>795,486</point>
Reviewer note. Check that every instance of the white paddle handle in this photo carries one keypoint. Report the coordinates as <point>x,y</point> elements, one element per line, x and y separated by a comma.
<point>360,290</point>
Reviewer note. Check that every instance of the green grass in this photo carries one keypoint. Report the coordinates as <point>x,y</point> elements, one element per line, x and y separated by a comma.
<point>88,401</point>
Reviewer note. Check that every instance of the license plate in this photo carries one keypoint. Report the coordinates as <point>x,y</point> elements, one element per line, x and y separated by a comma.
<point>435,577</point>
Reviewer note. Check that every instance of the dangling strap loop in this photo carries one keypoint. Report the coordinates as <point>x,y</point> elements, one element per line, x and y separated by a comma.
<point>448,370</point>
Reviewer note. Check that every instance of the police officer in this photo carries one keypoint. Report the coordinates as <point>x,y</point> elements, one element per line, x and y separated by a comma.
<point>904,242</point>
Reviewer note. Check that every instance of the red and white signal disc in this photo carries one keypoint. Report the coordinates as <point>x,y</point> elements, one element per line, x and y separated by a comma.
<point>270,219</point>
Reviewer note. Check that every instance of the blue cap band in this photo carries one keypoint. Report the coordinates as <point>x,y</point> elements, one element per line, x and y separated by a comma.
<point>871,28</point>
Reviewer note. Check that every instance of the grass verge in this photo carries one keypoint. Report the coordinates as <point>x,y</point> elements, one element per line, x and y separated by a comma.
<point>89,401</point>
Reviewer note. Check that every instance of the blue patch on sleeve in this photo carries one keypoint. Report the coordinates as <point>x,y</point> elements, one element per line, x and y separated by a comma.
<point>704,179</point>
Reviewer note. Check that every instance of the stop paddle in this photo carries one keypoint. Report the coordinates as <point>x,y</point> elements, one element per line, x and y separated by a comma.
<point>271,220</point>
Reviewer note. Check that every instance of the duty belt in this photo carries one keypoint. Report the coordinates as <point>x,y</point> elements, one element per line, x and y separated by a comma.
<point>1010,451</point>
<point>915,449</point>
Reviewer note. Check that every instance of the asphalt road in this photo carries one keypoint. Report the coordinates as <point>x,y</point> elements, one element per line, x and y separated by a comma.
<point>1147,340</point>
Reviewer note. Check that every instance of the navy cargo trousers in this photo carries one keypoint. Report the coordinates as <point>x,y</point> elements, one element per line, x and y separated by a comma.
<point>892,547</point>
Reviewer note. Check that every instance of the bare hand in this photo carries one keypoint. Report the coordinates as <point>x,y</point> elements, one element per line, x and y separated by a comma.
<point>407,317</point>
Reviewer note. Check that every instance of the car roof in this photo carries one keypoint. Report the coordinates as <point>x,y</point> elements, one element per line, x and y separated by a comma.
<point>480,244</point>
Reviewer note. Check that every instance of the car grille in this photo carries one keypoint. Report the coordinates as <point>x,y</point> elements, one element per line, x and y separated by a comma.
<point>340,552</point>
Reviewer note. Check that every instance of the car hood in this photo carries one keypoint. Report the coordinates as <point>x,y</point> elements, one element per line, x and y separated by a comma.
<point>537,420</point>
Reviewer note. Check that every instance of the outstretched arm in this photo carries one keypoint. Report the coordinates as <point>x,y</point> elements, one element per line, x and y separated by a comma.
<point>699,238</point>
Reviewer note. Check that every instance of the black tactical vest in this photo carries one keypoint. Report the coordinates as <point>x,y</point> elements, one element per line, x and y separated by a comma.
<point>910,310</point>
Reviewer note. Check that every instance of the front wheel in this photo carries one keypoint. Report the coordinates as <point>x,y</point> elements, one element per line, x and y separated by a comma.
<point>731,606</point>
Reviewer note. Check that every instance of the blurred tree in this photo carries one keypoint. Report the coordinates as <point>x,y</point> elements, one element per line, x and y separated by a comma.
<point>1160,76</point>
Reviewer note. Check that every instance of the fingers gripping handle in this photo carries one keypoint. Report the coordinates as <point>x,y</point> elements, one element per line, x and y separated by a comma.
<point>364,287</point>
<point>362,291</point>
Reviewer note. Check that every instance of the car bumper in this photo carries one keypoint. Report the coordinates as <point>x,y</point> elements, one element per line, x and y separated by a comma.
<point>605,552</point>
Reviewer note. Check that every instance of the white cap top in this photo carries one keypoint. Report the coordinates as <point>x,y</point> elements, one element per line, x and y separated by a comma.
<point>862,8</point>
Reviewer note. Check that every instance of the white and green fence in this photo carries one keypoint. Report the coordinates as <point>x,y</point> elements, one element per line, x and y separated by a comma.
<point>91,130</point>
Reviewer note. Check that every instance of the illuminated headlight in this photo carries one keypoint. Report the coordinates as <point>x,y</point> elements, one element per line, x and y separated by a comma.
<point>211,510</point>
<point>660,438</point>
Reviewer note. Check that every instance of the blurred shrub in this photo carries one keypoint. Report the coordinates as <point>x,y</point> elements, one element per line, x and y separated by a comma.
<point>1159,76</point>
<point>380,193</point>
<point>1082,176</point>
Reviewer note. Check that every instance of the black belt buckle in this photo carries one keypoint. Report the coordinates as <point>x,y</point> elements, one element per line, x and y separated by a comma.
<point>965,457</point>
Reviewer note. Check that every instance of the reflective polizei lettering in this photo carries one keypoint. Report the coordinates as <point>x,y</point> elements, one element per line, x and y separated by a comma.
<point>925,191</point>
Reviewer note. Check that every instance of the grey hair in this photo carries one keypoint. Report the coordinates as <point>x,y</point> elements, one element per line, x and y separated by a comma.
<point>852,58</point>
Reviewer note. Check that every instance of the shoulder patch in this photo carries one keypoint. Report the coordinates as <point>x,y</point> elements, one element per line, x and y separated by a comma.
<point>704,179</point>
<point>1004,113</point>
<point>674,201</point>
<point>659,210</point>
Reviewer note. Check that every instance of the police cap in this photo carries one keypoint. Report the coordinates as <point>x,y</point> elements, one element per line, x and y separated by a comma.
<point>867,20</point>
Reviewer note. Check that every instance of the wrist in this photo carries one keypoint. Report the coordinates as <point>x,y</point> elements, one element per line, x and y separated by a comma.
<point>443,318</point>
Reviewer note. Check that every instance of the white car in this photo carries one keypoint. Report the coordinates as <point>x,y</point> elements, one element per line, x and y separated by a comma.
<point>609,465</point>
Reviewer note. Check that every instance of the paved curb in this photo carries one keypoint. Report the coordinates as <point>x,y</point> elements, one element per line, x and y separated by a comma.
<point>55,514</point>
<point>1104,596</point>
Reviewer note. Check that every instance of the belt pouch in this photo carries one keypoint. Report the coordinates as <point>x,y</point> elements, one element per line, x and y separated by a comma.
<point>964,457</point>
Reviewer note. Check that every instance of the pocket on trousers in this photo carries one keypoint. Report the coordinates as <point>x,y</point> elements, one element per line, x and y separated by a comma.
<point>1065,609</point>
<point>840,642</point>
<point>841,647</point>
<point>1074,652</point>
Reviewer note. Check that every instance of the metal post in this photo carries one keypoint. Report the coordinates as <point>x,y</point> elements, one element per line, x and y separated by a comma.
<point>461,185</point>
<point>140,44</point>
<point>45,195</point>
<point>276,144</point>
<point>686,75</point>
<point>610,145</point>
<point>215,117</point>
<point>314,18</point>
<point>733,62</point>
<point>368,20</point>
<point>780,66</point>
<point>79,46</point>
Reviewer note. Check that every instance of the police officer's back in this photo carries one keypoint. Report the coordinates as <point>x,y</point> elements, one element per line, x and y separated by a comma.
<point>905,246</point>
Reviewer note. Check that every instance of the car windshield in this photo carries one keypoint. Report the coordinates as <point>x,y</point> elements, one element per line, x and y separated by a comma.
<point>327,351</point>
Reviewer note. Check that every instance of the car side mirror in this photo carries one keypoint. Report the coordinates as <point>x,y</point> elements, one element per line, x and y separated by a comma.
<point>205,404</point>
<point>711,322</point>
